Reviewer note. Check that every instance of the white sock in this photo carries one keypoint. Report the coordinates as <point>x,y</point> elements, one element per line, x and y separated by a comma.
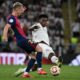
<point>39,69</point>
<point>54,59</point>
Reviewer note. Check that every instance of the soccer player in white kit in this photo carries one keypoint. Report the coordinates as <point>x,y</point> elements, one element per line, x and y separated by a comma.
<point>40,36</point>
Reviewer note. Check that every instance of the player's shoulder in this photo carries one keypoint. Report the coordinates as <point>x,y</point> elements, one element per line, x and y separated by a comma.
<point>36,24</point>
<point>11,18</point>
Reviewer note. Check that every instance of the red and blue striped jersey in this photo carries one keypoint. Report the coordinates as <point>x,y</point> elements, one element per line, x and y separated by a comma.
<point>16,27</point>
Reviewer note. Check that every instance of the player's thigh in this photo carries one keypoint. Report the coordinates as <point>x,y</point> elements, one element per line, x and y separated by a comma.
<point>38,48</point>
<point>27,46</point>
<point>46,49</point>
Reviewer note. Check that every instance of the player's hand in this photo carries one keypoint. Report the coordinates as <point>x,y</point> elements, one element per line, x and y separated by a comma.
<point>30,41</point>
<point>4,38</point>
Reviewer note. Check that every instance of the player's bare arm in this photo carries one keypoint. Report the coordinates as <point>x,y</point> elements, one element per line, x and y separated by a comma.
<point>5,32</point>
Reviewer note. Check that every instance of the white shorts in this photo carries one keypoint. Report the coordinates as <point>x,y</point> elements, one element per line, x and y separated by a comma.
<point>46,50</point>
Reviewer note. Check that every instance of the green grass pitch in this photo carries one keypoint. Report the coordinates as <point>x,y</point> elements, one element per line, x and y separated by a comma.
<point>67,73</point>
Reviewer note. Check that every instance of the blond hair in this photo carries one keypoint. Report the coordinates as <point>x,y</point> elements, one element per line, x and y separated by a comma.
<point>17,4</point>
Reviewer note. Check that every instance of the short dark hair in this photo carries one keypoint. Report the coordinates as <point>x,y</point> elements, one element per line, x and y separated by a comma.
<point>17,4</point>
<point>42,16</point>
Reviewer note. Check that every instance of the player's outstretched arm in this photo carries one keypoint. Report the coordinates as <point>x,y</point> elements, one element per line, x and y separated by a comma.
<point>5,32</point>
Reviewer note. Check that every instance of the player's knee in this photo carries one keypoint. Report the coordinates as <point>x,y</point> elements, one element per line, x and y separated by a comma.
<point>33,56</point>
<point>50,55</point>
<point>38,48</point>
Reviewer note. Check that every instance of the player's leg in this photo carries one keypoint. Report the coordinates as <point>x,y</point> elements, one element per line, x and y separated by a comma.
<point>54,59</point>
<point>34,68</point>
<point>26,59</point>
<point>32,61</point>
<point>27,69</point>
<point>22,70</point>
<point>29,66</point>
<point>52,56</point>
<point>39,60</point>
<point>29,48</point>
<point>48,53</point>
<point>38,49</point>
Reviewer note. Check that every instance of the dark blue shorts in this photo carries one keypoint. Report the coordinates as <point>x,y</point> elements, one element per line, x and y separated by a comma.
<point>27,46</point>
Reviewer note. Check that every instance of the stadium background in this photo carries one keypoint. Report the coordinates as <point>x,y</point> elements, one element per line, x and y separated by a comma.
<point>64,31</point>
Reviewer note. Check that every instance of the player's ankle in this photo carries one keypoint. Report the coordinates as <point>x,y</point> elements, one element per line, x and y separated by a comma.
<point>54,59</point>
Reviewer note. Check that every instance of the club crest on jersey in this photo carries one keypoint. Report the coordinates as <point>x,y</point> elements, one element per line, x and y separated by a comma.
<point>11,20</point>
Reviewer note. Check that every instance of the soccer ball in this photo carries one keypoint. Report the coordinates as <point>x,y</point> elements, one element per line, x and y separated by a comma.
<point>55,70</point>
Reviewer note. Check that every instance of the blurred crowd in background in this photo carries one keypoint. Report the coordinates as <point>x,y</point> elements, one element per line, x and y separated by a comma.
<point>53,8</point>
<point>34,7</point>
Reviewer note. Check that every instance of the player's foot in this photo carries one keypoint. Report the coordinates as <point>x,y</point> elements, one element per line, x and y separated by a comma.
<point>60,64</point>
<point>60,61</point>
<point>26,75</point>
<point>42,72</point>
<point>19,72</point>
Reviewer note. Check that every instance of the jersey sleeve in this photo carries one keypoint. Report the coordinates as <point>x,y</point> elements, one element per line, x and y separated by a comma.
<point>33,27</point>
<point>11,21</point>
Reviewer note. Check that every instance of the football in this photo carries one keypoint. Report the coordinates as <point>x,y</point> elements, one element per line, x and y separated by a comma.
<point>55,70</point>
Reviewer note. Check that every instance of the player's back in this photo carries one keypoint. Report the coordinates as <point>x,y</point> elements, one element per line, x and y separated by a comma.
<point>16,27</point>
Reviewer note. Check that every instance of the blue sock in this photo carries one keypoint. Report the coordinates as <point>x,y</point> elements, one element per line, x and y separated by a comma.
<point>30,64</point>
<point>39,59</point>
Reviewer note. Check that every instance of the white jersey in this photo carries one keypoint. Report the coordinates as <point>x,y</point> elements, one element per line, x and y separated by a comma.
<point>40,33</point>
